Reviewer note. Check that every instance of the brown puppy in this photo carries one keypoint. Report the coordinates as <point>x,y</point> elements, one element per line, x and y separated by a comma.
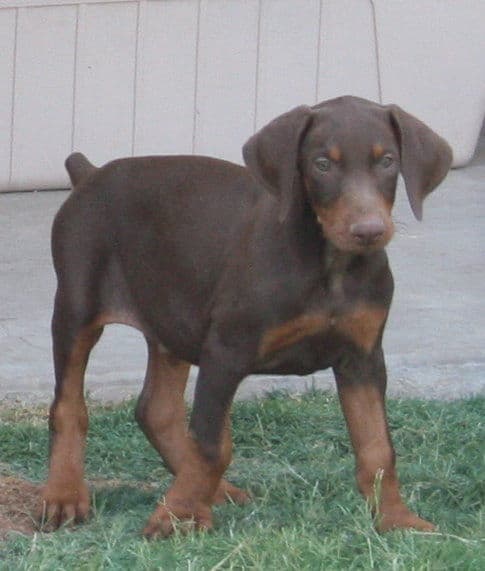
<point>278,267</point>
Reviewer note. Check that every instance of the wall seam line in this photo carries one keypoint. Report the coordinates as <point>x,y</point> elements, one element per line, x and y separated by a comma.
<point>12,102</point>
<point>74,80</point>
<point>140,6</point>
<point>376,50</point>
<point>258,56</point>
<point>196,75</point>
<point>319,48</point>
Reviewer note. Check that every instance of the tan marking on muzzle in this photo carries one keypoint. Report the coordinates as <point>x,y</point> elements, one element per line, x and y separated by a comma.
<point>351,208</point>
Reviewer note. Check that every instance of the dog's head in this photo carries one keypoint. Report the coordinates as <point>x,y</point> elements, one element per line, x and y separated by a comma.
<point>345,155</point>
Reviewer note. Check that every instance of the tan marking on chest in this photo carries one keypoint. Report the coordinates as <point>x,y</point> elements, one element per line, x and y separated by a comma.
<point>292,331</point>
<point>362,325</point>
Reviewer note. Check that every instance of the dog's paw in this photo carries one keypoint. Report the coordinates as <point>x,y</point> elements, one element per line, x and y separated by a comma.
<point>178,516</point>
<point>401,518</point>
<point>62,504</point>
<point>227,491</point>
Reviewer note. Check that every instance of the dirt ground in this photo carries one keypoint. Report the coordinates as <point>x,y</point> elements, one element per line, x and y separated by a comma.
<point>18,502</point>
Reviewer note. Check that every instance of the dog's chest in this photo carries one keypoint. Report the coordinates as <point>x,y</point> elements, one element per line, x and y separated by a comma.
<point>359,325</point>
<point>328,322</point>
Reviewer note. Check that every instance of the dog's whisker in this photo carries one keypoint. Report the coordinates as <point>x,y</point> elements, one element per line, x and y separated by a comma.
<point>401,227</point>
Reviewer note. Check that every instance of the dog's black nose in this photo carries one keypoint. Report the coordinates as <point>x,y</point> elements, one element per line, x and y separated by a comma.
<point>368,231</point>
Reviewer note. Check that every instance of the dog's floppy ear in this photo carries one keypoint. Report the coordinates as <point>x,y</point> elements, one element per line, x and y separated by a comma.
<point>271,154</point>
<point>425,157</point>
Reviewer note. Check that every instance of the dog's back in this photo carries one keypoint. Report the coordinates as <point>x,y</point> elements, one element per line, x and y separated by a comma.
<point>130,220</point>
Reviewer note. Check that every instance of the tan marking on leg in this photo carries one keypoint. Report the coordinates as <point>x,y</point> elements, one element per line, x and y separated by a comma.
<point>161,408</point>
<point>291,332</point>
<point>161,414</point>
<point>362,325</point>
<point>65,495</point>
<point>363,407</point>
<point>189,500</point>
<point>226,489</point>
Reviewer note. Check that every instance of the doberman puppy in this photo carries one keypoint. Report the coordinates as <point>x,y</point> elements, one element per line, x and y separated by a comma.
<point>275,268</point>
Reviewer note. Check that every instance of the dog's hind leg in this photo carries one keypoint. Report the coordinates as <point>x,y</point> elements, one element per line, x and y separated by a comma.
<point>208,449</point>
<point>161,414</point>
<point>65,496</point>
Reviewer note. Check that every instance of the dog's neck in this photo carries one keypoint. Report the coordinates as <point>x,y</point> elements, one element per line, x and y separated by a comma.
<point>311,245</point>
<point>332,260</point>
<point>334,264</point>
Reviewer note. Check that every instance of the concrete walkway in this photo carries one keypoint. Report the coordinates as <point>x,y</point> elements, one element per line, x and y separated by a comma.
<point>434,340</point>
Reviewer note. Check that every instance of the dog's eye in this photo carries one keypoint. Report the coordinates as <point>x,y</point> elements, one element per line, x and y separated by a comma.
<point>386,161</point>
<point>323,164</point>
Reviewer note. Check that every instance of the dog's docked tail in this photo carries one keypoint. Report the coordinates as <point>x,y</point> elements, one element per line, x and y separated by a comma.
<point>78,167</point>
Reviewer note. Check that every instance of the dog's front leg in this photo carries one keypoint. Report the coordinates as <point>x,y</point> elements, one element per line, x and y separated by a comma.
<point>361,383</point>
<point>208,453</point>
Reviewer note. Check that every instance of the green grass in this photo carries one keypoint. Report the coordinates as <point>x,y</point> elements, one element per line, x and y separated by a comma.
<point>293,453</point>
